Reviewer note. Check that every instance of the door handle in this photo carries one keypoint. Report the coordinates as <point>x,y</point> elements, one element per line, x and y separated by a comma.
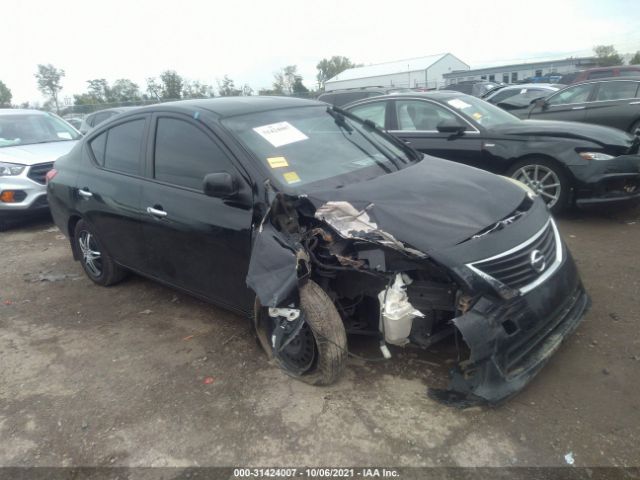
<point>155,212</point>
<point>634,103</point>
<point>578,108</point>
<point>85,193</point>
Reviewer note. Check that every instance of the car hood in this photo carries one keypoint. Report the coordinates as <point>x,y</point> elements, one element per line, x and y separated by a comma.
<point>428,206</point>
<point>605,136</point>
<point>36,153</point>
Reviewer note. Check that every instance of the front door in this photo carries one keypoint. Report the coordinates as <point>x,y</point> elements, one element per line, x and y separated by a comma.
<point>568,104</point>
<point>196,242</point>
<point>416,123</point>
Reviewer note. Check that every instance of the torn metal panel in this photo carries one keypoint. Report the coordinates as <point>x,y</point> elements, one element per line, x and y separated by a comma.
<point>273,268</point>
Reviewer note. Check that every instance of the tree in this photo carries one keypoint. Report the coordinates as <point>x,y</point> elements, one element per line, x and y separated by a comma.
<point>99,90</point>
<point>196,89</point>
<point>607,56</point>
<point>50,82</point>
<point>298,87</point>
<point>285,79</point>
<point>123,90</point>
<point>635,60</point>
<point>247,91</point>
<point>5,95</point>
<point>171,85</point>
<point>227,88</point>
<point>329,68</point>
<point>153,88</point>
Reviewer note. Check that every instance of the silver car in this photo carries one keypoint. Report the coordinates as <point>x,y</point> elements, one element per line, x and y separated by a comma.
<point>30,141</point>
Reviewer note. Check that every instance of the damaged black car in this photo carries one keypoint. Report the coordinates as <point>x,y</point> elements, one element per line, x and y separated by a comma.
<point>316,225</point>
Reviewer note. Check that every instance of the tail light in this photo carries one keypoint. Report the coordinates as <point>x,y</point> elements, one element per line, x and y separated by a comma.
<point>50,174</point>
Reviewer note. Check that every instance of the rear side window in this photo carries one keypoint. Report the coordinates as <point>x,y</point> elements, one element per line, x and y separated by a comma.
<point>617,90</point>
<point>184,154</point>
<point>600,74</point>
<point>119,147</point>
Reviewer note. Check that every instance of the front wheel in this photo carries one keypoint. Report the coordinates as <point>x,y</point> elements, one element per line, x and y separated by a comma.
<point>313,350</point>
<point>546,178</point>
<point>96,262</point>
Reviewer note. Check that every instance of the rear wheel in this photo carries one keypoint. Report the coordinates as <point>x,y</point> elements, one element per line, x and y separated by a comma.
<point>546,178</point>
<point>312,348</point>
<point>96,262</point>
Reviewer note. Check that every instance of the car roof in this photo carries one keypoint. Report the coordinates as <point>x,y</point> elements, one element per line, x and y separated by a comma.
<point>633,78</point>
<point>21,111</point>
<point>532,85</point>
<point>231,106</point>
<point>113,109</point>
<point>356,89</point>
<point>437,95</point>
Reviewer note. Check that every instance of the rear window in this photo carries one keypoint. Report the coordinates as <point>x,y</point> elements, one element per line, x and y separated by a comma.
<point>119,147</point>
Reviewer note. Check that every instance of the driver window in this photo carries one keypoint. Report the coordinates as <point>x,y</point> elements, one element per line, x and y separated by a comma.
<point>184,154</point>
<point>419,115</point>
<point>577,94</point>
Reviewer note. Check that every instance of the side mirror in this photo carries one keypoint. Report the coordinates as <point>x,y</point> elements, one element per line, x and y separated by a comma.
<point>540,103</point>
<point>449,126</point>
<point>220,185</point>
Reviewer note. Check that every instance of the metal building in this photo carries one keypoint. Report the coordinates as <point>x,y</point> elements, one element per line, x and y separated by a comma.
<point>522,71</point>
<point>426,72</point>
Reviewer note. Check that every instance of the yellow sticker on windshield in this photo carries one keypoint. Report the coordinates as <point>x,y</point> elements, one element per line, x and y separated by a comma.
<point>291,177</point>
<point>277,162</point>
<point>477,115</point>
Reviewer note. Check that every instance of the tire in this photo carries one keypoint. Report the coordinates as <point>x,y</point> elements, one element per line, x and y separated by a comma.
<point>532,171</point>
<point>326,328</point>
<point>95,260</point>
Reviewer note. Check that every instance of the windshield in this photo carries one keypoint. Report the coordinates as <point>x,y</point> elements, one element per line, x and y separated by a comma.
<point>482,112</point>
<point>306,145</point>
<point>30,128</point>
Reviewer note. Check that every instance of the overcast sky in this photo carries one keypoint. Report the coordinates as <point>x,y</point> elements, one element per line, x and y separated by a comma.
<point>204,40</point>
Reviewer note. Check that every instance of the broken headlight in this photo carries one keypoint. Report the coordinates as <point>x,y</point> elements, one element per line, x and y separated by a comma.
<point>523,186</point>
<point>595,156</point>
<point>11,169</point>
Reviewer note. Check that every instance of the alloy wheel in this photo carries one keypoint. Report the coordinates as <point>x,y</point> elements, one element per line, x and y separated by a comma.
<point>91,256</point>
<point>542,180</point>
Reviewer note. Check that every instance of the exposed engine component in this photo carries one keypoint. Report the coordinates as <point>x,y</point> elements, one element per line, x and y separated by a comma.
<point>396,313</point>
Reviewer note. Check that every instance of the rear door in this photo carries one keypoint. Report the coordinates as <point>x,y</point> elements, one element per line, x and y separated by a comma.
<point>108,189</point>
<point>568,104</point>
<point>195,242</point>
<point>616,104</point>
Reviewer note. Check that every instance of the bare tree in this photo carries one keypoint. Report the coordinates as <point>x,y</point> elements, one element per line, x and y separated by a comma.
<point>50,82</point>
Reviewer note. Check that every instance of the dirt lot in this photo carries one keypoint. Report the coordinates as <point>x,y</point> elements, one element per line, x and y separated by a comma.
<point>116,376</point>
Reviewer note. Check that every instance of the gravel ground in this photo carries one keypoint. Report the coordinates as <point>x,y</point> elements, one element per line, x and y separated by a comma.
<point>139,375</point>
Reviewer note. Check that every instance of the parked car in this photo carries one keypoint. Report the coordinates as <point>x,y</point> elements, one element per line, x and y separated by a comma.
<point>515,97</point>
<point>314,223</point>
<point>30,140</point>
<point>601,72</point>
<point>75,122</point>
<point>477,88</point>
<point>610,102</point>
<point>564,162</point>
<point>348,95</point>
<point>94,119</point>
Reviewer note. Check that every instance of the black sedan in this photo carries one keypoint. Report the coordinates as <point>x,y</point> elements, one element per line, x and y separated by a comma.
<point>612,102</point>
<point>564,162</point>
<point>313,225</point>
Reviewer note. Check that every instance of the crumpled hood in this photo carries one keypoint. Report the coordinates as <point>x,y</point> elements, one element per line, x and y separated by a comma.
<point>433,204</point>
<point>605,136</point>
<point>36,153</point>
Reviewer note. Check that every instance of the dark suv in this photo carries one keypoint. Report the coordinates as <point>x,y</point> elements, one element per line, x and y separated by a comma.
<point>314,223</point>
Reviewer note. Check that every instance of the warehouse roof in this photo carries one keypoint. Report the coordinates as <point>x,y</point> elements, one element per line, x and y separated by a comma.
<point>399,66</point>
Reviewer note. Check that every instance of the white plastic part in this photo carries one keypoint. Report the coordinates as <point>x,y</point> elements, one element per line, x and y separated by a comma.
<point>396,313</point>
<point>385,351</point>
<point>289,313</point>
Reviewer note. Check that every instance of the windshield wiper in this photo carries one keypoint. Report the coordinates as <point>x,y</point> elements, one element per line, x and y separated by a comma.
<point>340,119</point>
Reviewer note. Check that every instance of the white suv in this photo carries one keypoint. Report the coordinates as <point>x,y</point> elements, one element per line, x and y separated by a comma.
<point>30,141</point>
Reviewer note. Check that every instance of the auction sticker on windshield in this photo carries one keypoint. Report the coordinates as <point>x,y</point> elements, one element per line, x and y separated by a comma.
<point>281,133</point>
<point>277,162</point>
<point>459,104</point>
<point>291,177</point>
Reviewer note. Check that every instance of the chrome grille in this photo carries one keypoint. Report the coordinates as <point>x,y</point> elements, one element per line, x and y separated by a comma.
<point>38,172</point>
<point>514,268</point>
